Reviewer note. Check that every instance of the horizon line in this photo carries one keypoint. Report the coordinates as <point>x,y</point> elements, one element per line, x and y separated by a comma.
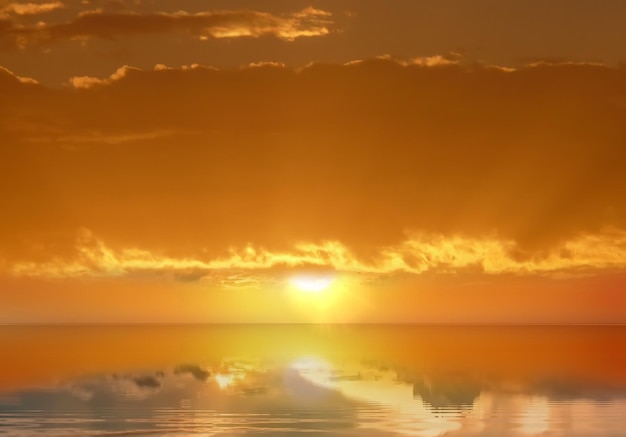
<point>416,324</point>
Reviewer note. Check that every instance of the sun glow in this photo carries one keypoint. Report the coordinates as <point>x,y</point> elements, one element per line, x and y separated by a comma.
<point>224,380</point>
<point>311,283</point>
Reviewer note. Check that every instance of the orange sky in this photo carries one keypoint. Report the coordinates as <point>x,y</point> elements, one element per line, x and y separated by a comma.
<point>183,165</point>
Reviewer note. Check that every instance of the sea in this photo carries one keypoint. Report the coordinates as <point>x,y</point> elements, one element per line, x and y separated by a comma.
<point>312,380</point>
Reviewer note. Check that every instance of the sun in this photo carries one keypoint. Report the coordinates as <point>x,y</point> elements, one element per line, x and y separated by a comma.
<point>320,296</point>
<point>311,284</point>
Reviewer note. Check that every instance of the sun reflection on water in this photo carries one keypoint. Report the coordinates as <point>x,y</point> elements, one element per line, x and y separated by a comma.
<point>290,380</point>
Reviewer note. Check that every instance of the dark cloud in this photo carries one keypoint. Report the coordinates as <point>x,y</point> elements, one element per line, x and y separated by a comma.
<point>195,161</point>
<point>560,389</point>
<point>460,392</point>
<point>191,276</point>
<point>447,394</point>
<point>147,381</point>
<point>196,371</point>
<point>220,24</point>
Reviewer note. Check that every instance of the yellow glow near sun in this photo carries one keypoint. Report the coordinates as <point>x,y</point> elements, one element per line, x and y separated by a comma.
<point>321,297</point>
<point>224,380</point>
<point>311,283</point>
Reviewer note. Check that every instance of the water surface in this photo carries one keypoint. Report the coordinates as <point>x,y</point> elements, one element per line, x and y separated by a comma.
<point>313,380</point>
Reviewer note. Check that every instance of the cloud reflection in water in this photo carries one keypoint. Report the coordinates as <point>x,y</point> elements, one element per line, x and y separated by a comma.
<point>295,387</point>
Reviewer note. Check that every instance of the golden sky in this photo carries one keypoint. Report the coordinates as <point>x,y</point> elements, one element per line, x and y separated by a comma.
<point>436,161</point>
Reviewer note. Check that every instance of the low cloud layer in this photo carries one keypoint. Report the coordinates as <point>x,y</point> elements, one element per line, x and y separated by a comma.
<point>412,166</point>
<point>416,255</point>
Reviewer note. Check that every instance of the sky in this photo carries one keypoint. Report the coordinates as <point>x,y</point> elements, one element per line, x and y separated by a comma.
<point>435,161</point>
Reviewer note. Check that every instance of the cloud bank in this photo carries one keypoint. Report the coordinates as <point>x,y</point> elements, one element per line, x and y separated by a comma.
<point>375,166</point>
<point>98,24</point>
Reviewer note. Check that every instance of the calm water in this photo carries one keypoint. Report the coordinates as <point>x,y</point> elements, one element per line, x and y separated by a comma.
<point>313,380</point>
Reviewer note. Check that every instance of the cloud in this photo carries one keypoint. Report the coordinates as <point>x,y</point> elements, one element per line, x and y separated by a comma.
<point>308,22</point>
<point>416,255</point>
<point>86,82</point>
<point>421,61</point>
<point>450,394</point>
<point>147,381</point>
<point>8,79</point>
<point>30,8</point>
<point>196,371</point>
<point>377,166</point>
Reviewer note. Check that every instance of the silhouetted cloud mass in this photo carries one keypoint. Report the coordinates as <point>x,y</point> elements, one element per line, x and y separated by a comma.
<point>147,381</point>
<point>196,371</point>
<point>447,393</point>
